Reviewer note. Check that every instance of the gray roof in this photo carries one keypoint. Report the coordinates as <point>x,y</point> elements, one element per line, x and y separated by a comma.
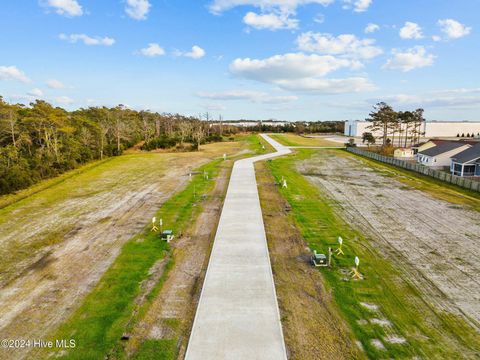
<point>442,147</point>
<point>468,155</point>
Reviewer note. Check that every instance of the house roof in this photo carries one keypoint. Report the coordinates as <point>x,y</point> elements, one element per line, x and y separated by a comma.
<point>468,155</point>
<point>442,147</point>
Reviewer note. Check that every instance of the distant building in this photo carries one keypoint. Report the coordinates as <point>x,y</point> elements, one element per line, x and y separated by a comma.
<point>438,156</point>
<point>403,153</point>
<point>430,128</point>
<point>467,162</point>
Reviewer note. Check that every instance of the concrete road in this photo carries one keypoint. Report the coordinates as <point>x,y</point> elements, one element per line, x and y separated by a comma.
<point>237,316</point>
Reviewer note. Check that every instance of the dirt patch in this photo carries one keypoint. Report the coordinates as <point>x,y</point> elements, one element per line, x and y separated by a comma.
<point>432,243</point>
<point>312,326</point>
<point>101,209</point>
<point>171,314</point>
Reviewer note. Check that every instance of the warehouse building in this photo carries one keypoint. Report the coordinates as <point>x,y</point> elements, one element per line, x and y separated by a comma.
<point>430,128</point>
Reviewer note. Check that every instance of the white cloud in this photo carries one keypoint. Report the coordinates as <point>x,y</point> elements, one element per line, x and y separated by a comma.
<point>329,86</point>
<point>416,57</point>
<point>319,19</point>
<point>13,73</point>
<point>64,100</point>
<point>346,44</point>
<point>35,93</point>
<point>358,5</point>
<point>453,29</point>
<point>65,7</point>
<point>300,72</point>
<point>252,96</point>
<point>219,6</point>
<point>411,30</point>
<point>138,9</point>
<point>451,98</point>
<point>196,53</point>
<point>55,84</point>
<point>270,21</point>
<point>88,40</point>
<point>371,27</point>
<point>436,38</point>
<point>152,50</point>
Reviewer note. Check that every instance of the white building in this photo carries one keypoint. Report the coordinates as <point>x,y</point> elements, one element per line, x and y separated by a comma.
<point>403,153</point>
<point>439,155</point>
<point>430,128</point>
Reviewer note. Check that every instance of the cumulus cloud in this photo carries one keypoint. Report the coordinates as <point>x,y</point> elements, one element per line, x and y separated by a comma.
<point>300,72</point>
<point>413,58</point>
<point>453,29</point>
<point>64,100</point>
<point>55,84</point>
<point>13,73</point>
<point>35,93</point>
<point>137,9</point>
<point>219,6</point>
<point>64,7</point>
<point>252,96</point>
<point>357,5</point>
<point>346,45</point>
<point>270,21</point>
<point>319,19</point>
<point>411,30</point>
<point>450,98</point>
<point>196,53</point>
<point>371,28</point>
<point>88,40</point>
<point>152,50</point>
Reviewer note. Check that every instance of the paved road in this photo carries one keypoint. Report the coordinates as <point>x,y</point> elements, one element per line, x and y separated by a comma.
<point>237,316</point>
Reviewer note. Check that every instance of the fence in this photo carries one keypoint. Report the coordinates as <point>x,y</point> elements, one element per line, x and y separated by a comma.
<point>440,175</point>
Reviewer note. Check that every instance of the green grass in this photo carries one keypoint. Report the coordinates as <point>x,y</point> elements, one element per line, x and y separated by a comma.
<point>289,139</point>
<point>106,313</point>
<point>102,318</point>
<point>430,334</point>
<point>157,350</point>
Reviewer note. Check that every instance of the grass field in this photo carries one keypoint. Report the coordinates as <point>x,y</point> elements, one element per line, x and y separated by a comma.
<point>296,140</point>
<point>414,326</point>
<point>111,309</point>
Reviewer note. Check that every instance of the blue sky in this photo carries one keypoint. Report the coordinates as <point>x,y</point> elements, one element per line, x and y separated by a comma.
<point>282,59</point>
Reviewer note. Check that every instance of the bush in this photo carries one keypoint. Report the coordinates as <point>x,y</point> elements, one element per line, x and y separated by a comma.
<point>163,142</point>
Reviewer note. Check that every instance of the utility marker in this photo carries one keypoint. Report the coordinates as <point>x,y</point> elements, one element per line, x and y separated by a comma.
<point>224,157</point>
<point>355,273</point>
<point>154,227</point>
<point>339,251</point>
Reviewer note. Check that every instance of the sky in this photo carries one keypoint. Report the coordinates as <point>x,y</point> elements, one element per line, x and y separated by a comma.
<point>245,59</point>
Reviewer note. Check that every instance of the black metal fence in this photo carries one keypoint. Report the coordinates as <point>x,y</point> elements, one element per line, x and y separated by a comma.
<point>425,170</point>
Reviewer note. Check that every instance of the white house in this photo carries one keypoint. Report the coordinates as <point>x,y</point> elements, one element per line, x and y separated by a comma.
<point>403,153</point>
<point>467,162</point>
<point>439,155</point>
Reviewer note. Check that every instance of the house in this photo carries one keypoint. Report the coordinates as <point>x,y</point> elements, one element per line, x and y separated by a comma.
<point>467,162</point>
<point>403,153</point>
<point>439,155</point>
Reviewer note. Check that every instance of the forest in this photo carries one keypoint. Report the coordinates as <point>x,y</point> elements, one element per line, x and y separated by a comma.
<point>40,141</point>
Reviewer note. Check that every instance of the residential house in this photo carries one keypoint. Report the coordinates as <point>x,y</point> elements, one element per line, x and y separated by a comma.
<point>467,162</point>
<point>439,155</point>
<point>403,153</point>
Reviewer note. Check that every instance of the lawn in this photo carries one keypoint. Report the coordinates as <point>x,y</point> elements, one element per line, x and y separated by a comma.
<point>296,140</point>
<point>383,293</point>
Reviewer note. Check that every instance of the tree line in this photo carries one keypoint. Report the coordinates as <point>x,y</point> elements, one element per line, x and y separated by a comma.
<point>394,127</point>
<point>40,141</point>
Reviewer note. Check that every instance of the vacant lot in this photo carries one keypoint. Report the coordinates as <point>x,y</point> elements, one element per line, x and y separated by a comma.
<point>413,300</point>
<point>296,140</point>
<point>437,241</point>
<point>57,243</point>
